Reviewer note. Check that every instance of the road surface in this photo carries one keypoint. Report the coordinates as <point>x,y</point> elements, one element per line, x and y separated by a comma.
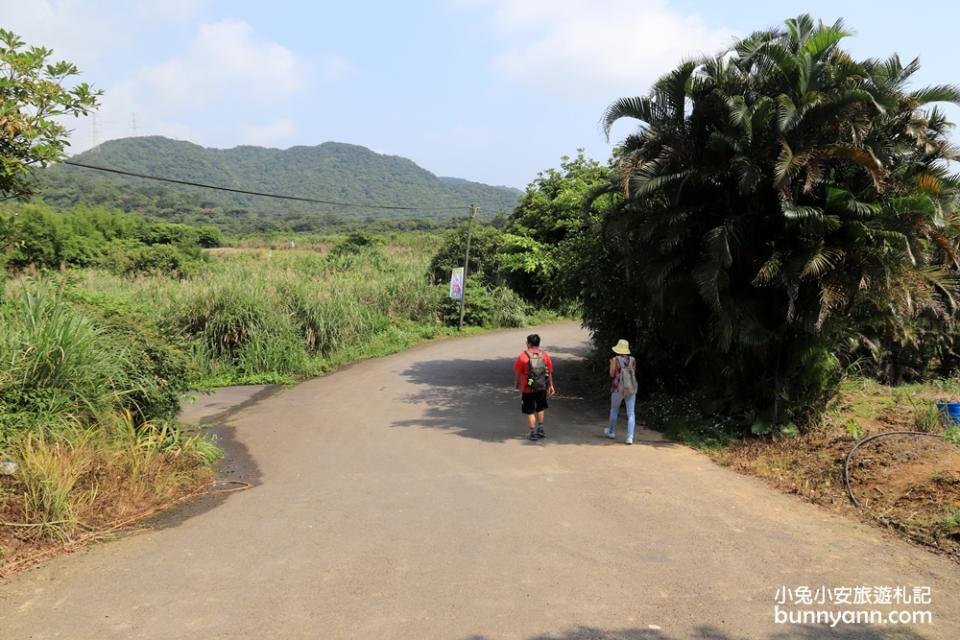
<point>398,498</point>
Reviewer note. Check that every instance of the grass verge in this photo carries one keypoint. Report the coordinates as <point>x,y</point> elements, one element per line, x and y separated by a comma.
<point>78,480</point>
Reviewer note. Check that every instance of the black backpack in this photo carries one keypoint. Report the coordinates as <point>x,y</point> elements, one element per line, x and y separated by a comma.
<point>536,371</point>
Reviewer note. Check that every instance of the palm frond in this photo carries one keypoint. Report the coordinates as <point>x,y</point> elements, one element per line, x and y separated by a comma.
<point>788,164</point>
<point>749,174</point>
<point>824,39</point>
<point>862,156</point>
<point>707,277</point>
<point>752,333</point>
<point>638,107</point>
<point>787,113</point>
<point>831,297</point>
<point>793,211</point>
<point>821,262</point>
<point>799,28</point>
<point>936,93</point>
<point>676,86</point>
<point>717,243</point>
<point>893,70</point>
<point>785,62</point>
<point>770,270</point>
<point>748,48</point>
<point>641,184</point>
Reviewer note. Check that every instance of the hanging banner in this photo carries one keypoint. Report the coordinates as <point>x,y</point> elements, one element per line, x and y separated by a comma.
<point>456,284</point>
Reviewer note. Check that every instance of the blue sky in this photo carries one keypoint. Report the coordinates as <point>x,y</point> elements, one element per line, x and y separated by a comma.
<point>488,90</point>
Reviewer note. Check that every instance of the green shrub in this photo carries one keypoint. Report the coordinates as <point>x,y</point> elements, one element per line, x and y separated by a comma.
<point>35,235</point>
<point>209,237</point>
<point>355,243</point>
<point>71,359</point>
<point>161,258</point>
<point>240,324</point>
<point>168,233</point>
<point>509,309</point>
<point>485,243</point>
<point>58,365</point>
<point>156,370</point>
<point>485,306</point>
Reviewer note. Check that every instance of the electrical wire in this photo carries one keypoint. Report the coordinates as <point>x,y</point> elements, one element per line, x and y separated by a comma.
<point>261,194</point>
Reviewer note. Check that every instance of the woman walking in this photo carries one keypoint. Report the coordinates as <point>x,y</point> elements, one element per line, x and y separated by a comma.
<point>623,389</point>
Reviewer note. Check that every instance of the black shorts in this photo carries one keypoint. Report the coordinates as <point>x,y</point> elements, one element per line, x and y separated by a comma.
<point>533,402</point>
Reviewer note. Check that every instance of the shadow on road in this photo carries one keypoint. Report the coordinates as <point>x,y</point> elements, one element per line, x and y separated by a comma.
<point>214,412</point>
<point>790,632</point>
<point>476,399</point>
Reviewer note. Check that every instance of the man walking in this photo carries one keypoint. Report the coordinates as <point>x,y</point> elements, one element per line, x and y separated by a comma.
<point>533,376</point>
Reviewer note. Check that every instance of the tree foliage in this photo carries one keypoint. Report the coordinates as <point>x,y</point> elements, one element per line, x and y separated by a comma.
<point>787,208</point>
<point>542,241</point>
<point>330,171</point>
<point>33,100</point>
<point>33,235</point>
<point>489,301</point>
<point>485,244</point>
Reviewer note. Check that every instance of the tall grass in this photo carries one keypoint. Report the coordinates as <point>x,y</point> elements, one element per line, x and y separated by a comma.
<point>88,342</point>
<point>87,406</point>
<point>49,474</point>
<point>57,367</point>
<point>93,476</point>
<point>263,316</point>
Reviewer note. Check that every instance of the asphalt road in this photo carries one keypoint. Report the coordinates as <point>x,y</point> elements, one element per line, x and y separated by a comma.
<point>398,499</point>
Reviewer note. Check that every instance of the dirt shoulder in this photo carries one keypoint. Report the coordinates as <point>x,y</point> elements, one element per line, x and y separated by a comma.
<point>909,485</point>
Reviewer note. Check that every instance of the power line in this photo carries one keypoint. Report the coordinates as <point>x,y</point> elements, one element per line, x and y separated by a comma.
<point>277,196</point>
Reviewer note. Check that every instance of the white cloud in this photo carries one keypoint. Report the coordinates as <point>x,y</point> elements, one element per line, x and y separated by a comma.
<point>225,76</point>
<point>225,84</point>
<point>66,26</point>
<point>225,59</point>
<point>615,47</point>
<point>84,32</point>
<point>269,135</point>
<point>169,9</point>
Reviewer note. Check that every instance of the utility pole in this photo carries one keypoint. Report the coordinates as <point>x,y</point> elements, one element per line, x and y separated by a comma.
<point>466,265</point>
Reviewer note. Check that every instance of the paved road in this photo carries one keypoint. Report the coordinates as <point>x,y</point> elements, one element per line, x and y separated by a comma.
<point>396,499</point>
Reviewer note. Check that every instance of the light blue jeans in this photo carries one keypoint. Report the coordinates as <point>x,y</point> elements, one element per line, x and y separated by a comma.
<point>631,401</point>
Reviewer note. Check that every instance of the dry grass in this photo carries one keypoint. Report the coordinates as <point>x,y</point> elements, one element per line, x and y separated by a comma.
<point>84,480</point>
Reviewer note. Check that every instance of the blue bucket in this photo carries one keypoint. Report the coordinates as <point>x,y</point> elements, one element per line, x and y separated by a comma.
<point>951,410</point>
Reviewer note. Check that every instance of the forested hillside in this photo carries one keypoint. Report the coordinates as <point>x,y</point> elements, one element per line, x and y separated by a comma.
<point>330,171</point>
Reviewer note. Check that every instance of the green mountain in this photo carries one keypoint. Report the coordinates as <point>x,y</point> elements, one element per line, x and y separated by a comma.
<point>331,171</point>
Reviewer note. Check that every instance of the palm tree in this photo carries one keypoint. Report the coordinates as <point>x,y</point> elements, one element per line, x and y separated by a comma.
<point>773,195</point>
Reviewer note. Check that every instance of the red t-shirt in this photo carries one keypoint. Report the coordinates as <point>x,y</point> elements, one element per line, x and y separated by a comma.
<point>522,365</point>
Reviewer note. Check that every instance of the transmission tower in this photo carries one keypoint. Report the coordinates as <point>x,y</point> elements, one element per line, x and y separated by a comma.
<point>94,131</point>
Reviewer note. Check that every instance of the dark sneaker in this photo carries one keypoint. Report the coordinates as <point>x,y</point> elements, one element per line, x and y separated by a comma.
<point>539,432</point>
<point>533,436</point>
